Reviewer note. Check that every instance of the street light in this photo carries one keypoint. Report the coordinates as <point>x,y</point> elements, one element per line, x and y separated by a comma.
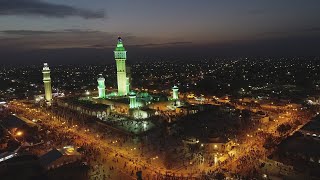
<point>19,133</point>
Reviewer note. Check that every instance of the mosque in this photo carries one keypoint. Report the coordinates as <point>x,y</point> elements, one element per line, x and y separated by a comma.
<point>124,101</point>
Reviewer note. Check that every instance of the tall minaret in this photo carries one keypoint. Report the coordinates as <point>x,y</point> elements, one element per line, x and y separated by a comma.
<point>47,82</point>
<point>101,87</point>
<point>120,54</point>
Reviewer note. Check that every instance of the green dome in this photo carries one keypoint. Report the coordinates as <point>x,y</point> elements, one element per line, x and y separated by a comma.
<point>132,93</point>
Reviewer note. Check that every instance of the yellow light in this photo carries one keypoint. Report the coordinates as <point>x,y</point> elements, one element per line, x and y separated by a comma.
<point>19,133</point>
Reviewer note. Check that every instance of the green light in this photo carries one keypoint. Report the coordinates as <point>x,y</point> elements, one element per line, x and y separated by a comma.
<point>175,93</point>
<point>101,86</point>
<point>133,100</point>
<point>47,82</point>
<point>120,55</point>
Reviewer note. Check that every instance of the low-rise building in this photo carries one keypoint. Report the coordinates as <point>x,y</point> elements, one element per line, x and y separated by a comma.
<point>59,157</point>
<point>86,107</point>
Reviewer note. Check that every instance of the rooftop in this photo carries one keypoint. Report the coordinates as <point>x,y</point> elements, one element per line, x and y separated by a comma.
<point>313,127</point>
<point>12,122</point>
<point>50,157</point>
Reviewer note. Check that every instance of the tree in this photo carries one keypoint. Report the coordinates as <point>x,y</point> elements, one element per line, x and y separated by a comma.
<point>283,128</point>
<point>269,142</point>
<point>297,123</point>
<point>219,176</point>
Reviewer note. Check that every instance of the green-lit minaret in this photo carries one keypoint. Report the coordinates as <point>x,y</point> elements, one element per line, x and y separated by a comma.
<point>133,100</point>
<point>101,87</point>
<point>120,54</point>
<point>47,82</point>
<point>175,93</point>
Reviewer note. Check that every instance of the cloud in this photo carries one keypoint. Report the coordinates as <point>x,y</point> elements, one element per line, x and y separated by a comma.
<point>66,38</point>
<point>290,32</point>
<point>163,44</point>
<point>25,32</point>
<point>35,39</point>
<point>35,32</point>
<point>148,45</point>
<point>79,38</point>
<point>312,29</point>
<point>40,8</point>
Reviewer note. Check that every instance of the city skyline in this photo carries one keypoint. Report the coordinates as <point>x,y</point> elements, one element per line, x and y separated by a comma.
<point>58,30</point>
<point>158,90</point>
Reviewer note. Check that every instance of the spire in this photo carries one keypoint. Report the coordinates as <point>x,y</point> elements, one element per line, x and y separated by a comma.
<point>46,66</point>
<point>119,45</point>
<point>100,77</point>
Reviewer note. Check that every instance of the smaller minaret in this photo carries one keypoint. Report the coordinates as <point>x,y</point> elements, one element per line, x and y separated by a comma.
<point>101,87</point>
<point>133,100</point>
<point>47,82</point>
<point>175,93</point>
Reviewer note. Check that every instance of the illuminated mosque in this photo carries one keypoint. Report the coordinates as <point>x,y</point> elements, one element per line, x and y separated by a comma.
<point>124,101</point>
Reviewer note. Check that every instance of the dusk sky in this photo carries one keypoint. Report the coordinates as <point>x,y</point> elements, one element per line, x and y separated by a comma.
<point>34,30</point>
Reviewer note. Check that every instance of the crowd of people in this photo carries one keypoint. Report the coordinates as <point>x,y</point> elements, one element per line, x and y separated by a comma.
<point>112,154</point>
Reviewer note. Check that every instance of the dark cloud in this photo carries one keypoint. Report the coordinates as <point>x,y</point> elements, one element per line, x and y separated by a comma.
<point>25,32</point>
<point>305,31</point>
<point>312,29</point>
<point>301,46</point>
<point>33,32</point>
<point>162,44</point>
<point>67,38</point>
<point>78,38</point>
<point>91,46</point>
<point>271,33</point>
<point>148,45</point>
<point>41,8</point>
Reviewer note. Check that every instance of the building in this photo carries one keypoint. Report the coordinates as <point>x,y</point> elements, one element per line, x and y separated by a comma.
<point>13,123</point>
<point>120,55</point>
<point>59,157</point>
<point>85,107</point>
<point>47,82</point>
<point>261,117</point>
<point>298,155</point>
<point>187,110</point>
<point>21,167</point>
<point>217,144</point>
<point>312,128</point>
<point>142,113</point>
